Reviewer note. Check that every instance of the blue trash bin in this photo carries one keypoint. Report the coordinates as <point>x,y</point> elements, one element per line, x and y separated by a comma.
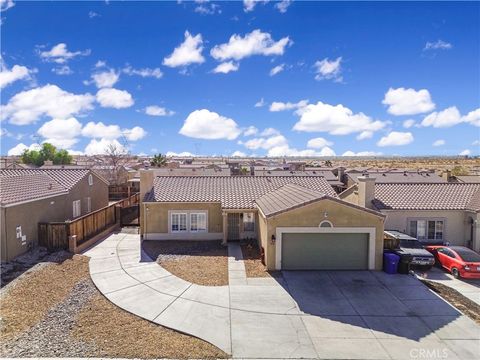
<point>390,263</point>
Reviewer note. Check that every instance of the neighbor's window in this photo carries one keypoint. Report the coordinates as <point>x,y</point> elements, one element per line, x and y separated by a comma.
<point>427,229</point>
<point>77,209</point>
<point>90,179</point>
<point>179,222</point>
<point>248,222</point>
<point>89,204</point>
<point>198,222</point>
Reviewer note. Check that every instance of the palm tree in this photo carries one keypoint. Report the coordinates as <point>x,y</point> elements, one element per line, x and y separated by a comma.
<point>159,160</point>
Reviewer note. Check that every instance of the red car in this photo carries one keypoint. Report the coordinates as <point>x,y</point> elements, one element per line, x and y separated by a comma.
<point>459,260</point>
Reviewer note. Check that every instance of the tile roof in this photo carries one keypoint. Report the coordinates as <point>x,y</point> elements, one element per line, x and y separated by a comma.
<point>446,196</point>
<point>15,188</point>
<point>233,192</point>
<point>287,197</point>
<point>327,174</point>
<point>393,176</point>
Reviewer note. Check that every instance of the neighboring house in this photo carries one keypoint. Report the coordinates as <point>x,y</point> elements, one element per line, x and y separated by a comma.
<point>466,179</point>
<point>299,222</point>
<point>30,196</point>
<point>191,171</point>
<point>393,176</point>
<point>115,175</point>
<point>431,212</point>
<point>328,175</point>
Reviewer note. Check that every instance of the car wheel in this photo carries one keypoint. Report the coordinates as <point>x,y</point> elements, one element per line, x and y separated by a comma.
<point>455,273</point>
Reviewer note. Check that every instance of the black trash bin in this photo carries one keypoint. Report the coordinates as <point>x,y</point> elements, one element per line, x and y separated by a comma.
<point>404,264</point>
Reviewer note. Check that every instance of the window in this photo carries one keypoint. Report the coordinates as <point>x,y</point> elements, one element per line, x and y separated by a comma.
<point>249,222</point>
<point>198,222</point>
<point>89,204</point>
<point>179,222</point>
<point>90,179</point>
<point>426,229</point>
<point>77,209</point>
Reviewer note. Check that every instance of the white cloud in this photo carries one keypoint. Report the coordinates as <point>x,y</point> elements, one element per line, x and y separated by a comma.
<point>396,138</point>
<point>465,152</point>
<point>154,110</point>
<point>188,52</point>
<point>439,142</point>
<point>365,135</point>
<point>100,64</point>
<point>329,69</point>
<point>62,70</point>
<point>251,130</point>
<point>21,147</point>
<point>206,8</point>
<point>238,154</point>
<point>93,14</point>
<point>266,143</point>
<point>403,101</point>
<point>318,143</point>
<point>277,69</point>
<point>283,5</point>
<point>260,103</point>
<point>180,154</point>
<point>100,130</point>
<point>59,54</point>
<point>445,118</point>
<point>287,151</point>
<point>17,72</point>
<point>27,107</point>
<point>281,106</point>
<point>437,45</point>
<point>114,98</point>
<point>134,134</point>
<point>6,4</point>
<point>226,67</point>
<point>473,117</point>
<point>75,152</point>
<point>476,143</point>
<point>100,147</point>
<point>144,72</point>
<point>336,120</point>
<point>249,5</point>
<point>269,132</point>
<point>407,124</point>
<point>205,124</point>
<point>61,133</point>
<point>105,79</point>
<point>254,43</point>
<point>361,153</point>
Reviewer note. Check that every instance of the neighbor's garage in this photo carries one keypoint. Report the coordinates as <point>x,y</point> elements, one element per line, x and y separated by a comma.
<point>324,251</point>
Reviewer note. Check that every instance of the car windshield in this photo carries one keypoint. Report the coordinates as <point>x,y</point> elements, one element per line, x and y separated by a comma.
<point>468,255</point>
<point>411,244</point>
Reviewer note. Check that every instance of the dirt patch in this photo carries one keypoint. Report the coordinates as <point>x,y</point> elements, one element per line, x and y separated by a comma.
<point>462,303</point>
<point>253,261</point>
<point>121,334</point>
<point>200,262</point>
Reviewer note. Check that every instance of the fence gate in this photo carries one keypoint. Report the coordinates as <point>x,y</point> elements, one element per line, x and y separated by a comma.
<point>130,215</point>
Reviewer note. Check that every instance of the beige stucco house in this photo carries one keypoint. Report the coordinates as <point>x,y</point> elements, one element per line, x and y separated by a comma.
<point>431,212</point>
<point>299,222</point>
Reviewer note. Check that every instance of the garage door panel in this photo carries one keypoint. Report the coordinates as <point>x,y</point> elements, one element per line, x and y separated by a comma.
<point>324,251</point>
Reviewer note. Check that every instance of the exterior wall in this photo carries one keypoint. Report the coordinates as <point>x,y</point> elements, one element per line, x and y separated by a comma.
<point>312,215</point>
<point>454,222</point>
<point>28,215</point>
<point>472,229</point>
<point>155,221</point>
<point>350,195</point>
<point>98,193</point>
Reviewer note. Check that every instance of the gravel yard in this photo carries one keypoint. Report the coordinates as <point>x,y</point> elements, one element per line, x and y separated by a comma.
<point>200,262</point>
<point>253,261</point>
<point>54,310</point>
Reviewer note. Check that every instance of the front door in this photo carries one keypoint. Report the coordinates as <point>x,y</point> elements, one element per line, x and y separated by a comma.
<point>233,227</point>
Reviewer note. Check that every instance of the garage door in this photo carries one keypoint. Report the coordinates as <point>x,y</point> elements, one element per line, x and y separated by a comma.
<point>315,251</point>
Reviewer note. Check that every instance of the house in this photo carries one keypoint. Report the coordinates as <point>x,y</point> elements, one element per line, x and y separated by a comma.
<point>331,178</point>
<point>431,212</point>
<point>298,221</point>
<point>30,196</point>
<point>393,176</point>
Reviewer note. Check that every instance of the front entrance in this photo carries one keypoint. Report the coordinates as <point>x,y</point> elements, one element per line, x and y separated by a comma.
<point>233,226</point>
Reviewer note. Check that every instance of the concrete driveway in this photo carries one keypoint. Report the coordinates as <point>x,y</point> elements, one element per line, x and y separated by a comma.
<point>316,315</point>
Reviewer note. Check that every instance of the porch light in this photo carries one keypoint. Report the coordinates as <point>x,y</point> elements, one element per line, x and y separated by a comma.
<point>272,241</point>
<point>325,214</point>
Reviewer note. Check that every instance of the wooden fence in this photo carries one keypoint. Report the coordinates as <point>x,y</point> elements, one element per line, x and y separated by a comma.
<point>56,235</point>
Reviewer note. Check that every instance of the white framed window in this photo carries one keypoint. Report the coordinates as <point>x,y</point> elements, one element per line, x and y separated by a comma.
<point>89,204</point>
<point>424,229</point>
<point>179,222</point>
<point>90,179</point>
<point>198,222</point>
<point>77,208</point>
<point>249,221</point>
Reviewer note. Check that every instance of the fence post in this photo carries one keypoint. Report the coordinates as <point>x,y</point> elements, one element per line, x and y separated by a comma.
<point>118,215</point>
<point>72,244</point>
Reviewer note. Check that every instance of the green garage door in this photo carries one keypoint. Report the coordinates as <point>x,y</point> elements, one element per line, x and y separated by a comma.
<point>315,251</point>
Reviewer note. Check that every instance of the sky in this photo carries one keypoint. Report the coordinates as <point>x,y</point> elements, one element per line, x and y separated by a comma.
<point>251,78</point>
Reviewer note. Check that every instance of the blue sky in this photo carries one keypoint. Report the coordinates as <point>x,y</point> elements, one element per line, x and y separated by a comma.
<point>242,78</point>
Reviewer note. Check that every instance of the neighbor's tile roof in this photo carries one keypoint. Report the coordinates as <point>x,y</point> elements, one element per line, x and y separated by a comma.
<point>15,188</point>
<point>233,192</point>
<point>400,176</point>
<point>446,196</point>
<point>287,197</point>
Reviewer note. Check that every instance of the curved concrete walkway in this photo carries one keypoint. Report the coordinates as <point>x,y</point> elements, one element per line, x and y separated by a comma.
<point>305,315</point>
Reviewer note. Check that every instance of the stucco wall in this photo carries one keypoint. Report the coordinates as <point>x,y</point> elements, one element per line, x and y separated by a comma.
<point>28,216</point>
<point>454,222</point>
<point>340,215</point>
<point>98,193</point>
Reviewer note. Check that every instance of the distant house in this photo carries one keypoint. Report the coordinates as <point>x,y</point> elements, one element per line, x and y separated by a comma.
<point>30,196</point>
<point>393,176</point>
<point>327,174</point>
<point>431,212</point>
<point>298,221</point>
